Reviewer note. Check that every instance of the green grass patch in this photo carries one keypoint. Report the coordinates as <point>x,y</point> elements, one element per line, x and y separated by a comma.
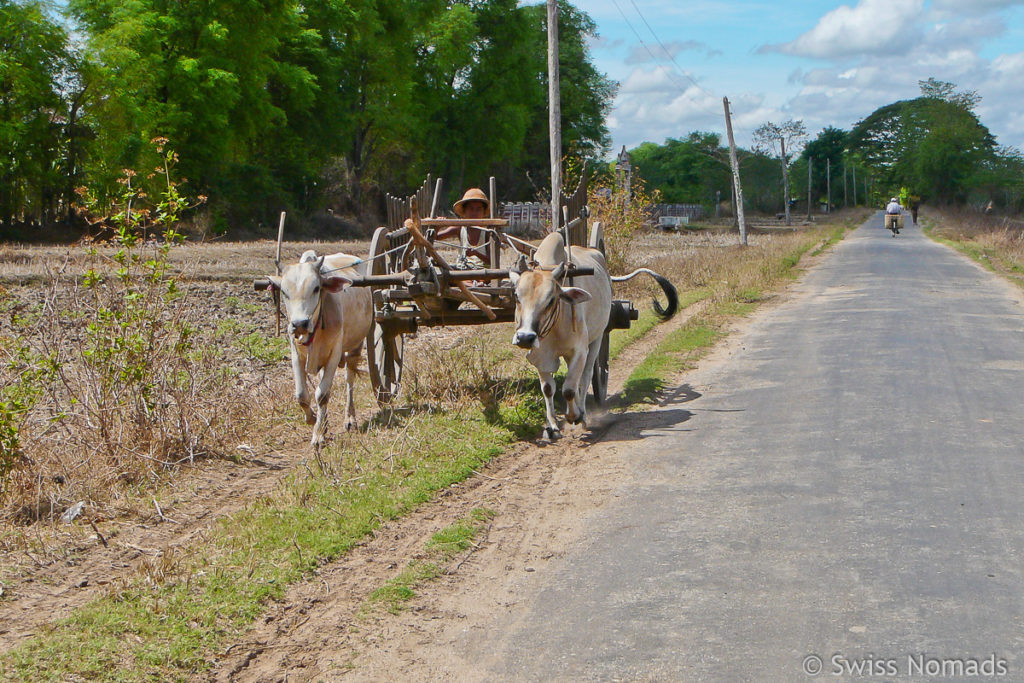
<point>971,249</point>
<point>166,625</point>
<point>680,348</point>
<point>619,340</point>
<point>837,234</point>
<point>440,549</point>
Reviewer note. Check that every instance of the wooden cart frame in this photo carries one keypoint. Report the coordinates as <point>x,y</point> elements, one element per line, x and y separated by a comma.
<point>414,286</point>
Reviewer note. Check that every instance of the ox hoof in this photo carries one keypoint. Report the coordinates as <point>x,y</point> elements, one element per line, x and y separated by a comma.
<point>350,425</point>
<point>551,434</point>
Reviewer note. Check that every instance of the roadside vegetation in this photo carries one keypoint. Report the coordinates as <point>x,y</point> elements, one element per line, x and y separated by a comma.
<point>995,242</point>
<point>466,399</point>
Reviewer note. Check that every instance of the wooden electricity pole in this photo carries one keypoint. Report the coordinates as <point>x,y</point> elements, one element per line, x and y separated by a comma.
<point>845,201</point>
<point>785,179</point>
<point>737,187</point>
<point>810,164</point>
<point>554,113</point>
<point>828,185</point>
<point>855,184</point>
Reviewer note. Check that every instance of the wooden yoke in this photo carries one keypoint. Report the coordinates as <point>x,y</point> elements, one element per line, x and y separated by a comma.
<point>421,241</point>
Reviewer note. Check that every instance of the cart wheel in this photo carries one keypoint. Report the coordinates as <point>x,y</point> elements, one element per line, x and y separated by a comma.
<point>383,350</point>
<point>378,246</point>
<point>384,358</point>
<point>597,237</point>
<point>600,380</point>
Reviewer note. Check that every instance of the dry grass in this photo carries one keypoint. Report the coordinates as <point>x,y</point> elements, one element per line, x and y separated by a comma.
<point>997,241</point>
<point>108,386</point>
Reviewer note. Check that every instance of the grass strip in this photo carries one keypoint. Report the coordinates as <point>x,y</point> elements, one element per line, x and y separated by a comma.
<point>442,547</point>
<point>166,624</point>
<point>619,340</point>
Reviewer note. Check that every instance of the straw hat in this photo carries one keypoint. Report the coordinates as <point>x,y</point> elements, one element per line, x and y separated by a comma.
<point>473,194</point>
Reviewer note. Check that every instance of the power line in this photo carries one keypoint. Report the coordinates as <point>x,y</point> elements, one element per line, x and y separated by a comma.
<point>667,53</point>
<point>668,72</point>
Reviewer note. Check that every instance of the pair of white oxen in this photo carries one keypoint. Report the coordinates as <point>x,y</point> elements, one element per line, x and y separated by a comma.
<point>328,322</point>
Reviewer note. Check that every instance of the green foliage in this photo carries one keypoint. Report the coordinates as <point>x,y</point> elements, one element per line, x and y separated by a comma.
<point>24,374</point>
<point>688,171</point>
<point>329,102</point>
<point>934,144</point>
<point>38,115</point>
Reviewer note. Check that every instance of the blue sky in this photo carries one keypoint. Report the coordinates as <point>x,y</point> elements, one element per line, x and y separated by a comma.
<point>823,61</point>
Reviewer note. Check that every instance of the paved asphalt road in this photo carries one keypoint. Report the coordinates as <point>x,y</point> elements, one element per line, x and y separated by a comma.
<point>849,485</point>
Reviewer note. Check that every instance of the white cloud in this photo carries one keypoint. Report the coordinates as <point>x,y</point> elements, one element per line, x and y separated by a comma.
<point>973,6</point>
<point>869,27</point>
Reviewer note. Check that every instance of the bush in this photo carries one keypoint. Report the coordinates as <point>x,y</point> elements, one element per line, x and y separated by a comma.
<point>114,376</point>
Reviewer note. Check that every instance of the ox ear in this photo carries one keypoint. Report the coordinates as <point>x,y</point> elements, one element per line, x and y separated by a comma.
<point>575,295</point>
<point>335,283</point>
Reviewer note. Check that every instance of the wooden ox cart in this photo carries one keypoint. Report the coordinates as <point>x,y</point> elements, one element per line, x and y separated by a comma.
<point>415,286</point>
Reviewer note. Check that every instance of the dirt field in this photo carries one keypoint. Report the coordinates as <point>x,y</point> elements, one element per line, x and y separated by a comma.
<point>538,492</point>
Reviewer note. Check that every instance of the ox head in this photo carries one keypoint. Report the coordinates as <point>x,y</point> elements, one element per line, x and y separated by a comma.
<point>538,293</point>
<point>303,286</point>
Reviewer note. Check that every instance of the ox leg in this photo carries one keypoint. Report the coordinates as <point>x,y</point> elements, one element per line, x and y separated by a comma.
<point>575,403</point>
<point>323,395</point>
<point>547,363</point>
<point>351,367</point>
<point>593,351</point>
<point>547,387</point>
<point>301,392</point>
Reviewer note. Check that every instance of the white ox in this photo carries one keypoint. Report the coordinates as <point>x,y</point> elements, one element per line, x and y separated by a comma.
<point>556,322</point>
<point>327,325</point>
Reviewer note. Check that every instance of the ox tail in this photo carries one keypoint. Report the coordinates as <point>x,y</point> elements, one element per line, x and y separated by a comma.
<point>670,292</point>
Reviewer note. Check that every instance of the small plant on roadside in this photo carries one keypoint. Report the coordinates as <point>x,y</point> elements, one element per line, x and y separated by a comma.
<point>623,214</point>
<point>125,381</point>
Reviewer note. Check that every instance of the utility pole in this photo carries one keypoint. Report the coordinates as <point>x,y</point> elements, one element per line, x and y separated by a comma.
<point>810,164</point>
<point>737,187</point>
<point>554,113</point>
<point>828,185</point>
<point>845,202</point>
<point>785,179</point>
<point>855,184</point>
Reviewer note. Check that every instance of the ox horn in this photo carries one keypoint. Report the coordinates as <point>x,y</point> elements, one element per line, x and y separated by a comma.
<point>521,265</point>
<point>320,262</point>
<point>559,271</point>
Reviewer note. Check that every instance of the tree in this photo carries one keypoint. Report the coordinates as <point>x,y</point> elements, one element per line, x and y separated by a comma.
<point>685,171</point>
<point>826,150</point>
<point>213,76</point>
<point>36,87</point>
<point>782,141</point>
<point>932,144</point>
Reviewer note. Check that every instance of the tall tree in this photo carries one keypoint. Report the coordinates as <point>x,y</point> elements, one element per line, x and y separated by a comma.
<point>932,144</point>
<point>783,141</point>
<point>210,75</point>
